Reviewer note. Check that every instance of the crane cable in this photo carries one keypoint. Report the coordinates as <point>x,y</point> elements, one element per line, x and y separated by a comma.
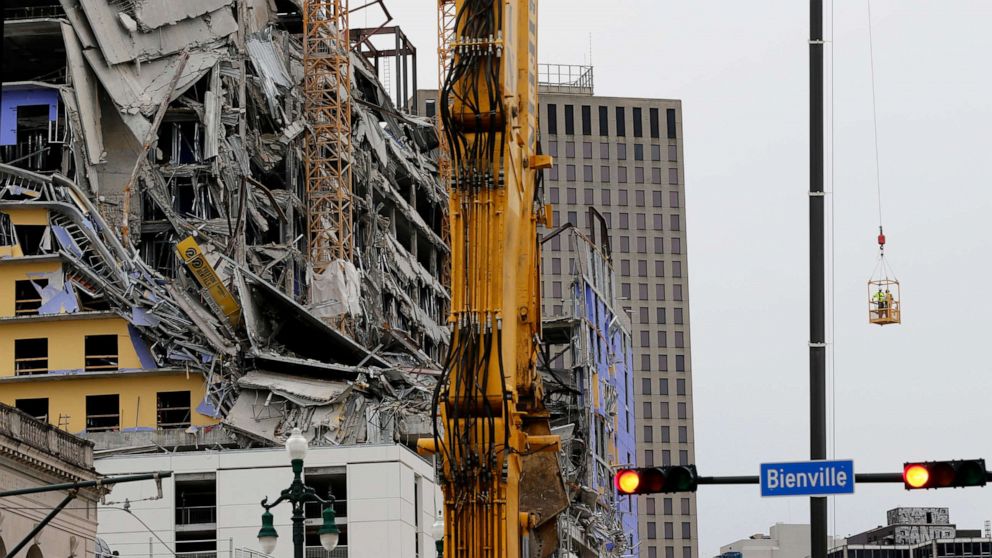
<point>882,264</point>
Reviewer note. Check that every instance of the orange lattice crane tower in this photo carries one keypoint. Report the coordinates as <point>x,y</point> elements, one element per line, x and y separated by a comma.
<point>327,146</point>
<point>498,460</point>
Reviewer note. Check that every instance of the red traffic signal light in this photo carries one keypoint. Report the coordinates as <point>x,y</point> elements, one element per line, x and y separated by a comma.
<point>654,480</point>
<point>944,474</point>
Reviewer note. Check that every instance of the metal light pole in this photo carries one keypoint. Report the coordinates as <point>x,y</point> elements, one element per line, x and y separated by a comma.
<point>817,322</point>
<point>298,494</point>
<point>437,531</point>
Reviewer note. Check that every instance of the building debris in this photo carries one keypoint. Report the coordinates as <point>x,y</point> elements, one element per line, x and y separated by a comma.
<point>348,354</point>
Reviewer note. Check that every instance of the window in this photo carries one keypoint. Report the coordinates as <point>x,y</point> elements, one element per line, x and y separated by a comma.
<point>646,410</point>
<point>604,121</point>
<point>604,174</point>
<point>605,196</point>
<point>586,120</point>
<point>639,175</point>
<point>588,196</point>
<point>656,178</point>
<point>673,152</point>
<point>659,245</point>
<point>621,122</point>
<point>648,435</point>
<point>638,122</point>
<point>686,550</point>
<point>669,552</point>
<point>570,195</point>
<point>663,363</point>
<point>680,363</point>
<point>570,149</point>
<point>663,409</point>
<point>678,315</point>
<point>645,339</point>
<point>676,222</point>
<point>27,298</point>
<point>556,289</point>
<point>658,222</point>
<point>663,386</point>
<point>587,173</point>
<point>676,292</point>
<point>648,458</point>
<point>652,550</point>
<point>642,268</point>
<point>670,117</point>
<point>624,223</point>
<point>173,409</point>
<point>604,150</point>
<point>650,506</point>
<point>101,353</point>
<point>642,245</point>
<point>570,173</point>
<point>673,177</point>
<point>639,198</point>
<point>669,530</point>
<point>683,435</point>
<point>552,119</point>
<point>685,506</point>
<point>623,200</point>
<point>625,290</point>
<point>667,506</point>
<point>569,120</point>
<point>673,199</point>
<point>676,246</point>
<point>587,150</point>
<point>553,175</point>
<point>662,338</point>
<point>655,152</point>
<point>37,408</point>
<point>666,435</point>
<point>103,413</point>
<point>680,386</point>
<point>679,339</point>
<point>652,530</point>
<point>645,363</point>
<point>622,175</point>
<point>553,194</point>
<point>654,123</point>
<point>642,291</point>
<point>556,265</point>
<point>638,151</point>
<point>30,356</point>
<point>662,317</point>
<point>659,291</point>
<point>430,108</point>
<point>645,386</point>
<point>624,267</point>
<point>196,504</point>
<point>656,199</point>
<point>621,152</point>
<point>681,408</point>
<point>683,457</point>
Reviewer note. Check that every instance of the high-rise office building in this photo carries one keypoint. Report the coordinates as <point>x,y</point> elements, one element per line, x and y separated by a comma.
<point>623,157</point>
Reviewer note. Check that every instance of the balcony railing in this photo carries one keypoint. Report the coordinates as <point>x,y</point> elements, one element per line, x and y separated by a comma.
<point>33,12</point>
<point>45,437</point>
<point>319,552</point>
<point>194,515</point>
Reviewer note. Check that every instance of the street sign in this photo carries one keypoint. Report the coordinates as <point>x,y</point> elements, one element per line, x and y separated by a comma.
<point>807,478</point>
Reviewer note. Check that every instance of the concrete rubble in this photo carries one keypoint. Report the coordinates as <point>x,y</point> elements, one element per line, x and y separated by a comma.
<point>226,169</point>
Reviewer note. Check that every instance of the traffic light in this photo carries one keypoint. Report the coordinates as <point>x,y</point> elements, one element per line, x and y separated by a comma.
<point>654,480</point>
<point>944,474</point>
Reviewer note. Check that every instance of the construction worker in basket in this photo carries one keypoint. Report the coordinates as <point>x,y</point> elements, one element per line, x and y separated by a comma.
<point>889,299</point>
<point>881,304</point>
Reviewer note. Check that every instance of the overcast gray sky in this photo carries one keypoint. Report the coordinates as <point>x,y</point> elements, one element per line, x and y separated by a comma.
<point>919,390</point>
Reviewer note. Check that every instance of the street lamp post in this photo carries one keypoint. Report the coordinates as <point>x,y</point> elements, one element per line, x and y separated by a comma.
<point>437,531</point>
<point>298,494</point>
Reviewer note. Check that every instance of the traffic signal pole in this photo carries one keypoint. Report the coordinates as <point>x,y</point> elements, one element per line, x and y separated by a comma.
<point>817,325</point>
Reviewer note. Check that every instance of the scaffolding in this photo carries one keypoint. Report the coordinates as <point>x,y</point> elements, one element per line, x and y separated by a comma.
<point>327,105</point>
<point>445,57</point>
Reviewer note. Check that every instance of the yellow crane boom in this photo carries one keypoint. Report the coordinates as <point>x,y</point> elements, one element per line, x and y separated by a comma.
<point>499,464</point>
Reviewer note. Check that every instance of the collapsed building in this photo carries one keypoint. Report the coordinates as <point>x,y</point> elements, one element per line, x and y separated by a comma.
<point>586,365</point>
<point>157,230</point>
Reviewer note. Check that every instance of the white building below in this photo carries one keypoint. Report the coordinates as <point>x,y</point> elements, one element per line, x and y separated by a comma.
<point>385,496</point>
<point>784,540</point>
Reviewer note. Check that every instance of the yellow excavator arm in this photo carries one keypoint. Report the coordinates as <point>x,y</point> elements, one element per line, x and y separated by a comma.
<point>498,460</point>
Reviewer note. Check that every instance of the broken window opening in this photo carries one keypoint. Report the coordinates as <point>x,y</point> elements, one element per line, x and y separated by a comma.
<point>191,197</point>
<point>196,514</point>
<point>37,407</point>
<point>159,252</point>
<point>8,233</point>
<point>181,143</point>
<point>30,356</point>
<point>173,409</point>
<point>101,353</point>
<point>38,138</point>
<point>27,299</point>
<point>32,239</point>
<point>150,211</point>
<point>103,413</point>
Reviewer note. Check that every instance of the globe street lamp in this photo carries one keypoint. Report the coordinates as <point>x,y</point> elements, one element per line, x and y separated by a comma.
<point>437,531</point>
<point>298,494</point>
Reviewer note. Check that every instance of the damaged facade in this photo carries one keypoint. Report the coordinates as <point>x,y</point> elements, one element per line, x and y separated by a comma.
<point>154,233</point>
<point>586,364</point>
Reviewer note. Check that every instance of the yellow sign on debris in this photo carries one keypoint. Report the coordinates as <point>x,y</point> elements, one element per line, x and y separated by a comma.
<point>205,275</point>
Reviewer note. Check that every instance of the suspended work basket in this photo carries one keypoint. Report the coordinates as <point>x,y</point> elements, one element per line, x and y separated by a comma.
<point>884,301</point>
